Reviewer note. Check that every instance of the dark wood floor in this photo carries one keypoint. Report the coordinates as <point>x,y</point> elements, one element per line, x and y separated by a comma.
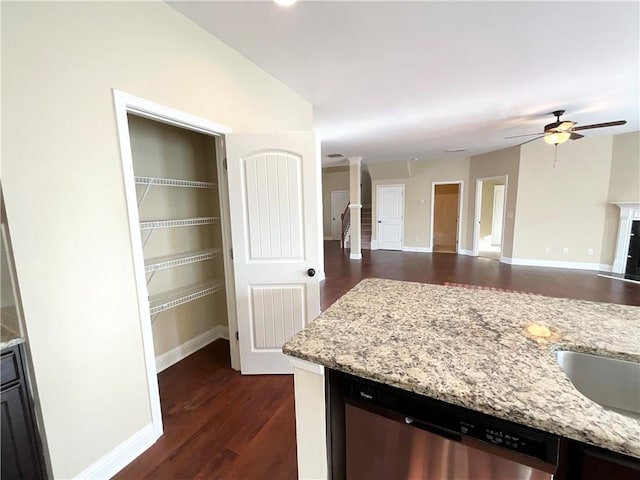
<point>439,268</point>
<point>220,424</point>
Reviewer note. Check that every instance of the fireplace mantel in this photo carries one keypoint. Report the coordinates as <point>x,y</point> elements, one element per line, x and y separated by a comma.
<point>629,211</point>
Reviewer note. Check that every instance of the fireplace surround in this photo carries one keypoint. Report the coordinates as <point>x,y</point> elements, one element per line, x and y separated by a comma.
<point>629,211</point>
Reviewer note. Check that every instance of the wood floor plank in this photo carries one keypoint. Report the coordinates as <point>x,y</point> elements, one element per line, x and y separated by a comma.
<point>219,424</point>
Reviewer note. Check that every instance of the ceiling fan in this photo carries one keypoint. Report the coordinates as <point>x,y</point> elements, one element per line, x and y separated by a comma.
<point>562,130</point>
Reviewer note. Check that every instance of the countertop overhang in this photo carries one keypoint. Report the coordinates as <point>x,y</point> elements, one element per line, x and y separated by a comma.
<point>472,348</point>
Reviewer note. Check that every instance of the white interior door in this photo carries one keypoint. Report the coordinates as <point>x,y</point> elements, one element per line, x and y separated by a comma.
<point>390,213</point>
<point>339,201</point>
<point>274,227</point>
<point>498,209</point>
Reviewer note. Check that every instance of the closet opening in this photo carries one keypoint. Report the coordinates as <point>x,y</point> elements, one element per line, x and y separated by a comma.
<point>177,200</point>
<point>181,230</point>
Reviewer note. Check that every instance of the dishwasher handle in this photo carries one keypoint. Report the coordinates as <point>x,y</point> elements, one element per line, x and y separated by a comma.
<point>429,427</point>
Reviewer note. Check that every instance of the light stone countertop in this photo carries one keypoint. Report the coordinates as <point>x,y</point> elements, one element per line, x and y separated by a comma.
<point>472,348</point>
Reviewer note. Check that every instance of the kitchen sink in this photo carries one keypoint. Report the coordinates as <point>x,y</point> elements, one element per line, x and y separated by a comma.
<point>612,383</point>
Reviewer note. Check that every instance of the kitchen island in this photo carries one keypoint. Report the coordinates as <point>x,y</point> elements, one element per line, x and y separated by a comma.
<point>489,352</point>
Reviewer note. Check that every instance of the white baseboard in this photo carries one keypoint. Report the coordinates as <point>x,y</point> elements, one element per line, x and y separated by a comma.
<point>531,262</point>
<point>618,278</point>
<point>374,244</point>
<point>416,249</point>
<point>465,252</point>
<point>355,256</point>
<point>185,349</point>
<point>121,456</point>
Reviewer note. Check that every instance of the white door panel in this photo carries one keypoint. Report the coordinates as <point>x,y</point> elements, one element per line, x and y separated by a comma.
<point>274,229</point>
<point>278,313</point>
<point>390,212</point>
<point>274,206</point>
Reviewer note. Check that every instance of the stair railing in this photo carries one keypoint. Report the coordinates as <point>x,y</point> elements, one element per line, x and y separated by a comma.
<point>345,217</point>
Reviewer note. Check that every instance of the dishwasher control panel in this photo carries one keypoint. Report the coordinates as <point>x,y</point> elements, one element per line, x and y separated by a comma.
<point>453,421</point>
<point>510,439</point>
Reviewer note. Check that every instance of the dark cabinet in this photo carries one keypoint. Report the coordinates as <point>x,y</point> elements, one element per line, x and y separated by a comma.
<point>579,461</point>
<point>20,445</point>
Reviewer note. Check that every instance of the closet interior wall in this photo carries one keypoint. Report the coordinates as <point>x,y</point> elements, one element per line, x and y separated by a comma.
<point>162,151</point>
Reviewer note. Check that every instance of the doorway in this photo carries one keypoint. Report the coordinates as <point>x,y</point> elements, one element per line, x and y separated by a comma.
<point>339,202</point>
<point>390,216</point>
<point>158,190</point>
<point>446,212</point>
<point>489,217</point>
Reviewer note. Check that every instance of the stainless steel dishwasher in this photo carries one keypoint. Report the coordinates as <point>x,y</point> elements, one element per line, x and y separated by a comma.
<point>393,434</point>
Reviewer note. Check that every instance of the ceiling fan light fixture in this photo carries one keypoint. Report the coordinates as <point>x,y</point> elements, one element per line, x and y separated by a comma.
<point>285,3</point>
<point>557,138</point>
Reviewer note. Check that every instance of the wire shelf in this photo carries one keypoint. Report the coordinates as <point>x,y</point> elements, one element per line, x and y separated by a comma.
<point>165,301</point>
<point>183,222</point>
<point>170,261</point>
<point>173,182</point>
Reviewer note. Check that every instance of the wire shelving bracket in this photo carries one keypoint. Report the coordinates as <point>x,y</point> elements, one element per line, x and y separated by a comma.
<point>154,265</point>
<point>173,298</point>
<point>168,182</point>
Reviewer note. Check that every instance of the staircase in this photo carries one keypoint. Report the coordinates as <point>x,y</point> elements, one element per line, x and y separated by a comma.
<point>365,222</point>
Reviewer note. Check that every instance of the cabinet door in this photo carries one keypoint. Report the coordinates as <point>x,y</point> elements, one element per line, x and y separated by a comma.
<point>20,458</point>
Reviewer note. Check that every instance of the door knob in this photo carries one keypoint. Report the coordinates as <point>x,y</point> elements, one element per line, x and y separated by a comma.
<point>311,272</point>
<point>379,221</point>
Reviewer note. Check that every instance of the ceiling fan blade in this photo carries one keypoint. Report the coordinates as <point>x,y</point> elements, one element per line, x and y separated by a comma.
<point>525,135</point>
<point>600,125</point>
<point>520,144</point>
<point>575,136</point>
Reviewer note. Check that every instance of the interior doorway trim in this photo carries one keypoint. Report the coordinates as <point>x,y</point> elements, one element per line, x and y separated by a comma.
<point>478,213</point>
<point>125,103</point>
<point>460,184</point>
<point>334,194</point>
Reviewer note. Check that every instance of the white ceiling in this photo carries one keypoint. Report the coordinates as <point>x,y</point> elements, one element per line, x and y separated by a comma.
<point>398,80</point>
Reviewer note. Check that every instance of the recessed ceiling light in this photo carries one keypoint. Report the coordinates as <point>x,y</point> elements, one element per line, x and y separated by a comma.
<point>285,3</point>
<point>458,149</point>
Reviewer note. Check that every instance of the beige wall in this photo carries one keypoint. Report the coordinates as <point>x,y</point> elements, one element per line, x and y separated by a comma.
<point>418,187</point>
<point>562,206</point>
<point>333,179</point>
<point>64,192</point>
<point>494,164</point>
<point>389,170</point>
<point>566,206</point>
<point>624,186</point>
